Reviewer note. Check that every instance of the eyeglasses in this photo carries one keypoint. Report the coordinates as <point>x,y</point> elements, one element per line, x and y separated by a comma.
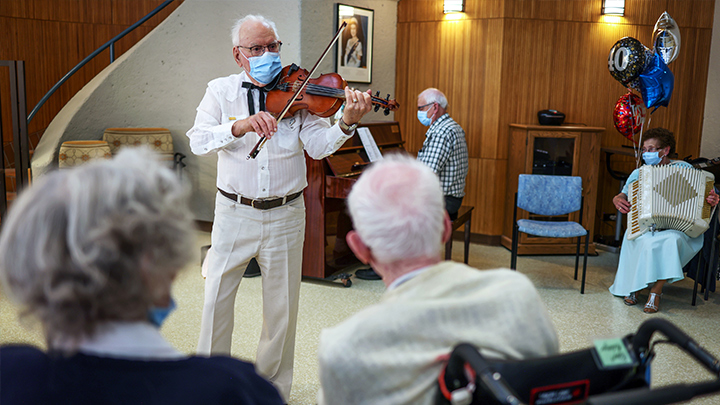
<point>258,50</point>
<point>651,149</point>
<point>423,106</point>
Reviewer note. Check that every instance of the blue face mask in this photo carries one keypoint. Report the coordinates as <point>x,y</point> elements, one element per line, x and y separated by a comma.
<point>264,68</point>
<point>652,158</point>
<point>157,315</point>
<point>423,118</point>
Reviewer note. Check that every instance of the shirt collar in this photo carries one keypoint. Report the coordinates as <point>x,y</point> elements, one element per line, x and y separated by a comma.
<point>135,340</point>
<point>439,120</point>
<point>405,277</point>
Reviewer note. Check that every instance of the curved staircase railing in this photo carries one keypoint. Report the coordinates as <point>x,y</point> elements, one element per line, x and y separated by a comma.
<point>20,122</point>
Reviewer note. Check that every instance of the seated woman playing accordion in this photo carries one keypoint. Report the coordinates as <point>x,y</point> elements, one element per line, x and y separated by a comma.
<point>653,257</point>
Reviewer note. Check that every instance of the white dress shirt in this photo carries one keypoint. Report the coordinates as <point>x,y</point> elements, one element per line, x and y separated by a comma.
<point>279,168</point>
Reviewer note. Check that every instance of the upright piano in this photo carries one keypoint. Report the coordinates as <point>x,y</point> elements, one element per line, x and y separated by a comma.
<point>329,183</point>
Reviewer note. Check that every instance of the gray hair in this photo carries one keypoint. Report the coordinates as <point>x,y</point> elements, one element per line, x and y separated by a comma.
<point>235,32</point>
<point>78,245</point>
<point>397,207</point>
<point>433,95</point>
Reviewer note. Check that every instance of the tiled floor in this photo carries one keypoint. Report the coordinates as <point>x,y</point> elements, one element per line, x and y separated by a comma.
<point>579,318</point>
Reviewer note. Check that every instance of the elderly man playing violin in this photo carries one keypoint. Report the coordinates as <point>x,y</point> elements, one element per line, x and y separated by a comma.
<point>259,209</point>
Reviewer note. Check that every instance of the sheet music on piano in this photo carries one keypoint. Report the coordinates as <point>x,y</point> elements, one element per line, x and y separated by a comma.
<point>371,148</point>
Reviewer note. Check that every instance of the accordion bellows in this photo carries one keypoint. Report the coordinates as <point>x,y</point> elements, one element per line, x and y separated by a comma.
<point>670,197</point>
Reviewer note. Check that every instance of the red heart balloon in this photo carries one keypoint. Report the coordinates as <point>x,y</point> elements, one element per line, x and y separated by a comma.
<point>629,115</point>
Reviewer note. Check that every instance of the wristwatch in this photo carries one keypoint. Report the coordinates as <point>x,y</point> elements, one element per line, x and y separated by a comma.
<point>348,129</point>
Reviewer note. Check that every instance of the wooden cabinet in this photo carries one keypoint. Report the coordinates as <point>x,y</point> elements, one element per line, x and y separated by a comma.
<point>554,150</point>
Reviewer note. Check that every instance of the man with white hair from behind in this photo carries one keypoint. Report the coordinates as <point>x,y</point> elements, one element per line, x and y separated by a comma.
<point>390,352</point>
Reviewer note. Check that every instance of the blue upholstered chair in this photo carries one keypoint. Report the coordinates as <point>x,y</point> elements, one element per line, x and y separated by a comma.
<point>549,196</point>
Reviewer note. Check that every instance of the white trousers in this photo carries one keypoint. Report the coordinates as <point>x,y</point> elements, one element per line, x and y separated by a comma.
<point>275,237</point>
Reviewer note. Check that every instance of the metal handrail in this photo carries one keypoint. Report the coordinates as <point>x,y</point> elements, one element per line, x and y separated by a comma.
<point>110,44</point>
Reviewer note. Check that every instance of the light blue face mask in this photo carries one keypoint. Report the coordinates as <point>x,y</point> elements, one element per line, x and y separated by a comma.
<point>157,315</point>
<point>264,68</point>
<point>652,158</point>
<point>423,118</point>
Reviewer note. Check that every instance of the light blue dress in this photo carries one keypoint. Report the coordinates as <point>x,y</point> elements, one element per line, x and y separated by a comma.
<point>653,256</point>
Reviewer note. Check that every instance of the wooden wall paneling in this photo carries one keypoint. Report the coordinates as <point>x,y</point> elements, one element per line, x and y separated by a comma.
<point>43,61</point>
<point>559,10</point>
<point>484,192</point>
<point>526,86</point>
<point>127,12</point>
<point>432,10</point>
<point>582,85</point>
<point>421,72</point>
<point>419,10</point>
<point>473,192</point>
<point>684,114</point>
<point>455,79</point>
<point>520,9</point>
<point>643,12</point>
<point>8,27</point>
<point>90,11</point>
<point>16,8</point>
<point>485,9</point>
<point>484,83</point>
<point>691,13</point>
<point>576,61</point>
<point>494,143</point>
<point>590,154</point>
<point>585,11</point>
<point>516,142</point>
<point>402,59</point>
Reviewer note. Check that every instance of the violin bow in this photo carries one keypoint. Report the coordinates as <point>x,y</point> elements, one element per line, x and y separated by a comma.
<point>253,154</point>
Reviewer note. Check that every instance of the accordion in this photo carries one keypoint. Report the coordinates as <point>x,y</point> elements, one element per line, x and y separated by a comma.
<point>670,197</point>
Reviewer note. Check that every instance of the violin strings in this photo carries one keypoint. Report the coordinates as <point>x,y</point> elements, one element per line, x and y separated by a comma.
<point>320,90</point>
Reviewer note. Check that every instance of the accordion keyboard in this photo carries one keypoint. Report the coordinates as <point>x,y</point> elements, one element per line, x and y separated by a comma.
<point>669,197</point>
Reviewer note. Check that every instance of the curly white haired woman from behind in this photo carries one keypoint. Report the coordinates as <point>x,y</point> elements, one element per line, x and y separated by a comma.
<point>91,252</point>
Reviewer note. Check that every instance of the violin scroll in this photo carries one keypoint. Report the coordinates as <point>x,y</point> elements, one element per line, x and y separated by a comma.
<point>387,104</point>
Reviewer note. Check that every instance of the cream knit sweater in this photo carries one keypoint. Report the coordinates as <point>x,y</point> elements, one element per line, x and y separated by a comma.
<point>388,352</point>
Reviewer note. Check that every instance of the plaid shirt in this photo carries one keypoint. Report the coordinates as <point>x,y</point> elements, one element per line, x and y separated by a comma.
<point>445,151</point>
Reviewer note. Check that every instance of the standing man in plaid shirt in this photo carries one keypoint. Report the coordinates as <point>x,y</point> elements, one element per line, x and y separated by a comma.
<point>444,149</point>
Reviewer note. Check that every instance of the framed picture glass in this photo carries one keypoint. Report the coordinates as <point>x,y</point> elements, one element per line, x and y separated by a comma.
<point>354,50</point>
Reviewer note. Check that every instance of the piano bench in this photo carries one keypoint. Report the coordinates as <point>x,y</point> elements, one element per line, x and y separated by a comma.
<point>464,218</point>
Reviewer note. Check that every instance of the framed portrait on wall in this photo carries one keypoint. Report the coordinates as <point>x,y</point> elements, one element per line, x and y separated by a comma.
<point>354,48</point>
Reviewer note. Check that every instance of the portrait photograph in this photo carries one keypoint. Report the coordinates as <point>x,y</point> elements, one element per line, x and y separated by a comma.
<point>354,48</point>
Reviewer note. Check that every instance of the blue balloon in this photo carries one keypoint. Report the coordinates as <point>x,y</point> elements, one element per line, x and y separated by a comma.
<point>656,83</point>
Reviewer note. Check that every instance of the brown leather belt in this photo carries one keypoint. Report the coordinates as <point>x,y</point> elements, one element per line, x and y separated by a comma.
<point>261,204</point>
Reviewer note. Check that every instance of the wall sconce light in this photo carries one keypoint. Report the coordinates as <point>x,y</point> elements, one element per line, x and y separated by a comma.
<point>613,7</point>
<point>453,6</point>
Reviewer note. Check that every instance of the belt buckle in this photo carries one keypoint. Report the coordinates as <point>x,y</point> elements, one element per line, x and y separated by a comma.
<point>252,203</point>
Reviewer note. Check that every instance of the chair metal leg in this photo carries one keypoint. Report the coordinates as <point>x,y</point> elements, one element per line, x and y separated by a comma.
<point>582,285</point>
<point>695,284</point>
<point>577,256</point>
<point>513,252</point>
<point>710,272</point>
<point>467,240</point>
<point>448,249</point>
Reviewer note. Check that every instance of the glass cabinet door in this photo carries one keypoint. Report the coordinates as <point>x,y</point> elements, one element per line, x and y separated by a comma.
<point>553,156</point>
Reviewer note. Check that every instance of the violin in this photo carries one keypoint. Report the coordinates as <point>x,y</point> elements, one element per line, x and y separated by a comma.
<point>293,90</point>
<point>322,96</point>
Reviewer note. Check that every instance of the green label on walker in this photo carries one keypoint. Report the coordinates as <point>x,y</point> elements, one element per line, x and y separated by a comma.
<point>613,353</point>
